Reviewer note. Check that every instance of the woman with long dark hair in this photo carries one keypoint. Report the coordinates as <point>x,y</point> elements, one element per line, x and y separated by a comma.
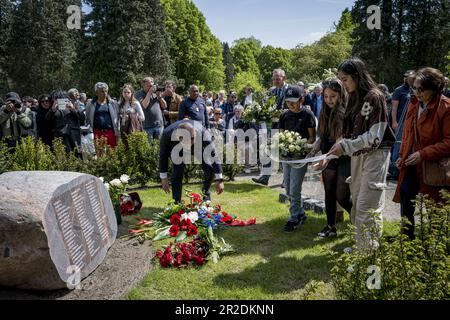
<point>44,128</point>
<point>335,172</point>
<point>368,139</point>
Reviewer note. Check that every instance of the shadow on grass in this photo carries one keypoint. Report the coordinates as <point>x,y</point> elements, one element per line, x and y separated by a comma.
<point>242,187</point>
<point>278,275</point>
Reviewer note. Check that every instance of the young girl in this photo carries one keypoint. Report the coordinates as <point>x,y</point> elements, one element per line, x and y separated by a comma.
<point>130,110</point>
<point>335,172</point>
<point>299,120</point>
<point>368,139</point>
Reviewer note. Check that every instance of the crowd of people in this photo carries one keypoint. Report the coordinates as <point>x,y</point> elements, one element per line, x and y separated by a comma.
<point>371,134</point>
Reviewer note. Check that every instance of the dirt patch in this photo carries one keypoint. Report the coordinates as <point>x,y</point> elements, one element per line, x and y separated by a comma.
<point>125,266</point>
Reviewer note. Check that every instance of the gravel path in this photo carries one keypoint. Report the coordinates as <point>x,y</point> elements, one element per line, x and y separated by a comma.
<point>313,188</point>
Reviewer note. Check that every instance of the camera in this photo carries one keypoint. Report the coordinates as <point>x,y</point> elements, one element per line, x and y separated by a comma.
<point>160,89</point>
<point>16,103</point>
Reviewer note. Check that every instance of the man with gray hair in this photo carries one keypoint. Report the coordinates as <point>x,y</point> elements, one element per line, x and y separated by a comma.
<point>102,115</point>
<point>316,100</point>
<point>279,91</point>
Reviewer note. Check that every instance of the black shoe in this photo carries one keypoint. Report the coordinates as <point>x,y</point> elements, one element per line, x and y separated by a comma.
<point>328,232</point>
<point>290,226</point>
<point>261,180</point>
<point>302,218</point>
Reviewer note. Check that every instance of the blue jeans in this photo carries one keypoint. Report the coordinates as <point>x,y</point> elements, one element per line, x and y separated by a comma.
<point>293,180</point>
<point>153,133</point>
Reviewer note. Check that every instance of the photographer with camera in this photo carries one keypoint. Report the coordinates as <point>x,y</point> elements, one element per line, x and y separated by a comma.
<point>15,120</point>
<point>66,120</point>
<point>153,104</point>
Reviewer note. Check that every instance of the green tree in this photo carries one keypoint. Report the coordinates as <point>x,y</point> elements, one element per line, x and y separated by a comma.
<point>228,63</point>
<point>125,40</point>
<point>195,51</point>
<point>41,49</point>
<point>245,53</point>
<point>414,33</point>
<point>244,79</point>
<point>272,58</point>
<point>6,11</point>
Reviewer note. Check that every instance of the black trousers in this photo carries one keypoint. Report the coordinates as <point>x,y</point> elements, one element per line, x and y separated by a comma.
<point>336,189</point>
<point>177,181</point>
<point>408,193</point>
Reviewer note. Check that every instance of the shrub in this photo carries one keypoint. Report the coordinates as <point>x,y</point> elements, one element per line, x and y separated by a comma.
<point>5,157</point>
<point>409,269</point>
<point>106,164</point>
<point>138,158</point>
<point>31,155</point>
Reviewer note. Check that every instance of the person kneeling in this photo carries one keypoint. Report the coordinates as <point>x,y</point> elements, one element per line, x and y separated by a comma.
<point>182,136</point>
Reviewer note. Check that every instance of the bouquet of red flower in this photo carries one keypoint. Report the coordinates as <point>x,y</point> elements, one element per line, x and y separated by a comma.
<point>199,220</point>
<point>130,204</point>
<point>183,254</point>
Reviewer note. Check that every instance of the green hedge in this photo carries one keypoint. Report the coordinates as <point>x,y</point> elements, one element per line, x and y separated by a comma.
<point>139,161</point>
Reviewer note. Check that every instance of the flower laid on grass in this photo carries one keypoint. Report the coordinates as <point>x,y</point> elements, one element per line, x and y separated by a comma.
<point>128,204</point>
<point>199,221</point>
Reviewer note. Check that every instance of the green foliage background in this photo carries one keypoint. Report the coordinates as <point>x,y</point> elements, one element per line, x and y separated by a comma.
<point>123,40</point>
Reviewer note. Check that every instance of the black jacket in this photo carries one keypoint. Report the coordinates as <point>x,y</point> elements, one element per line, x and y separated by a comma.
<point>167,145</point>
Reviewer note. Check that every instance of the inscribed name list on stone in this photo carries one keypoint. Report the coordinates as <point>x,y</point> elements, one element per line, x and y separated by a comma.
<point>71,216</point>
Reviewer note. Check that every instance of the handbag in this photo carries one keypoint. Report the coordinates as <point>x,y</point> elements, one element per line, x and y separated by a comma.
<point>435,173</point>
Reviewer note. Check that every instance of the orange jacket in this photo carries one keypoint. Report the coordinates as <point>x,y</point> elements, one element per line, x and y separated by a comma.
<point>433,139</point>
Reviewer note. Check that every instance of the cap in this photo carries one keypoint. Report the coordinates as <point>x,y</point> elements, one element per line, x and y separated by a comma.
<point>13,97</point>
<point>294,93</point>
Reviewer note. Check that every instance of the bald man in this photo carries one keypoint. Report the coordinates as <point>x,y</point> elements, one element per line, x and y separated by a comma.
<point>194,108</point>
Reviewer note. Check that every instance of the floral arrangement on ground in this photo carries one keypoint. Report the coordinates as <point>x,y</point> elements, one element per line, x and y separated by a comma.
<point>194,229</point>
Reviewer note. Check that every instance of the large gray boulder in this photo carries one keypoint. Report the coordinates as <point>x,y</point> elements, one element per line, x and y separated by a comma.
<point>55,228</point>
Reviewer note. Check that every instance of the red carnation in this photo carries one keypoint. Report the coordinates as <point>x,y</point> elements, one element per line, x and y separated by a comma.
<point>198,260</point>
<point>174,230</point>
<point>180,212</point>
<point>186,256</point>
<point>159,254</point>
<point>178,260</point>
<point>196,198</point>
<point>129,205</point>
<point>168,250</point>
<point>175,220</point>
<point>186,224</point>
<point>166,260</point>
<point>192,230</point>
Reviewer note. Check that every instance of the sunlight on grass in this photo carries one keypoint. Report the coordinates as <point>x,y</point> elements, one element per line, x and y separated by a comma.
<point>268,263</point>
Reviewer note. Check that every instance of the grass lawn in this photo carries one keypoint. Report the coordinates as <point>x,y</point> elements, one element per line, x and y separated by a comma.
<point>268,263</point>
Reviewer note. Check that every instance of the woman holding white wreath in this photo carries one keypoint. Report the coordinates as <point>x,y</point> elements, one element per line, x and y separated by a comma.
<point>367,138</point>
